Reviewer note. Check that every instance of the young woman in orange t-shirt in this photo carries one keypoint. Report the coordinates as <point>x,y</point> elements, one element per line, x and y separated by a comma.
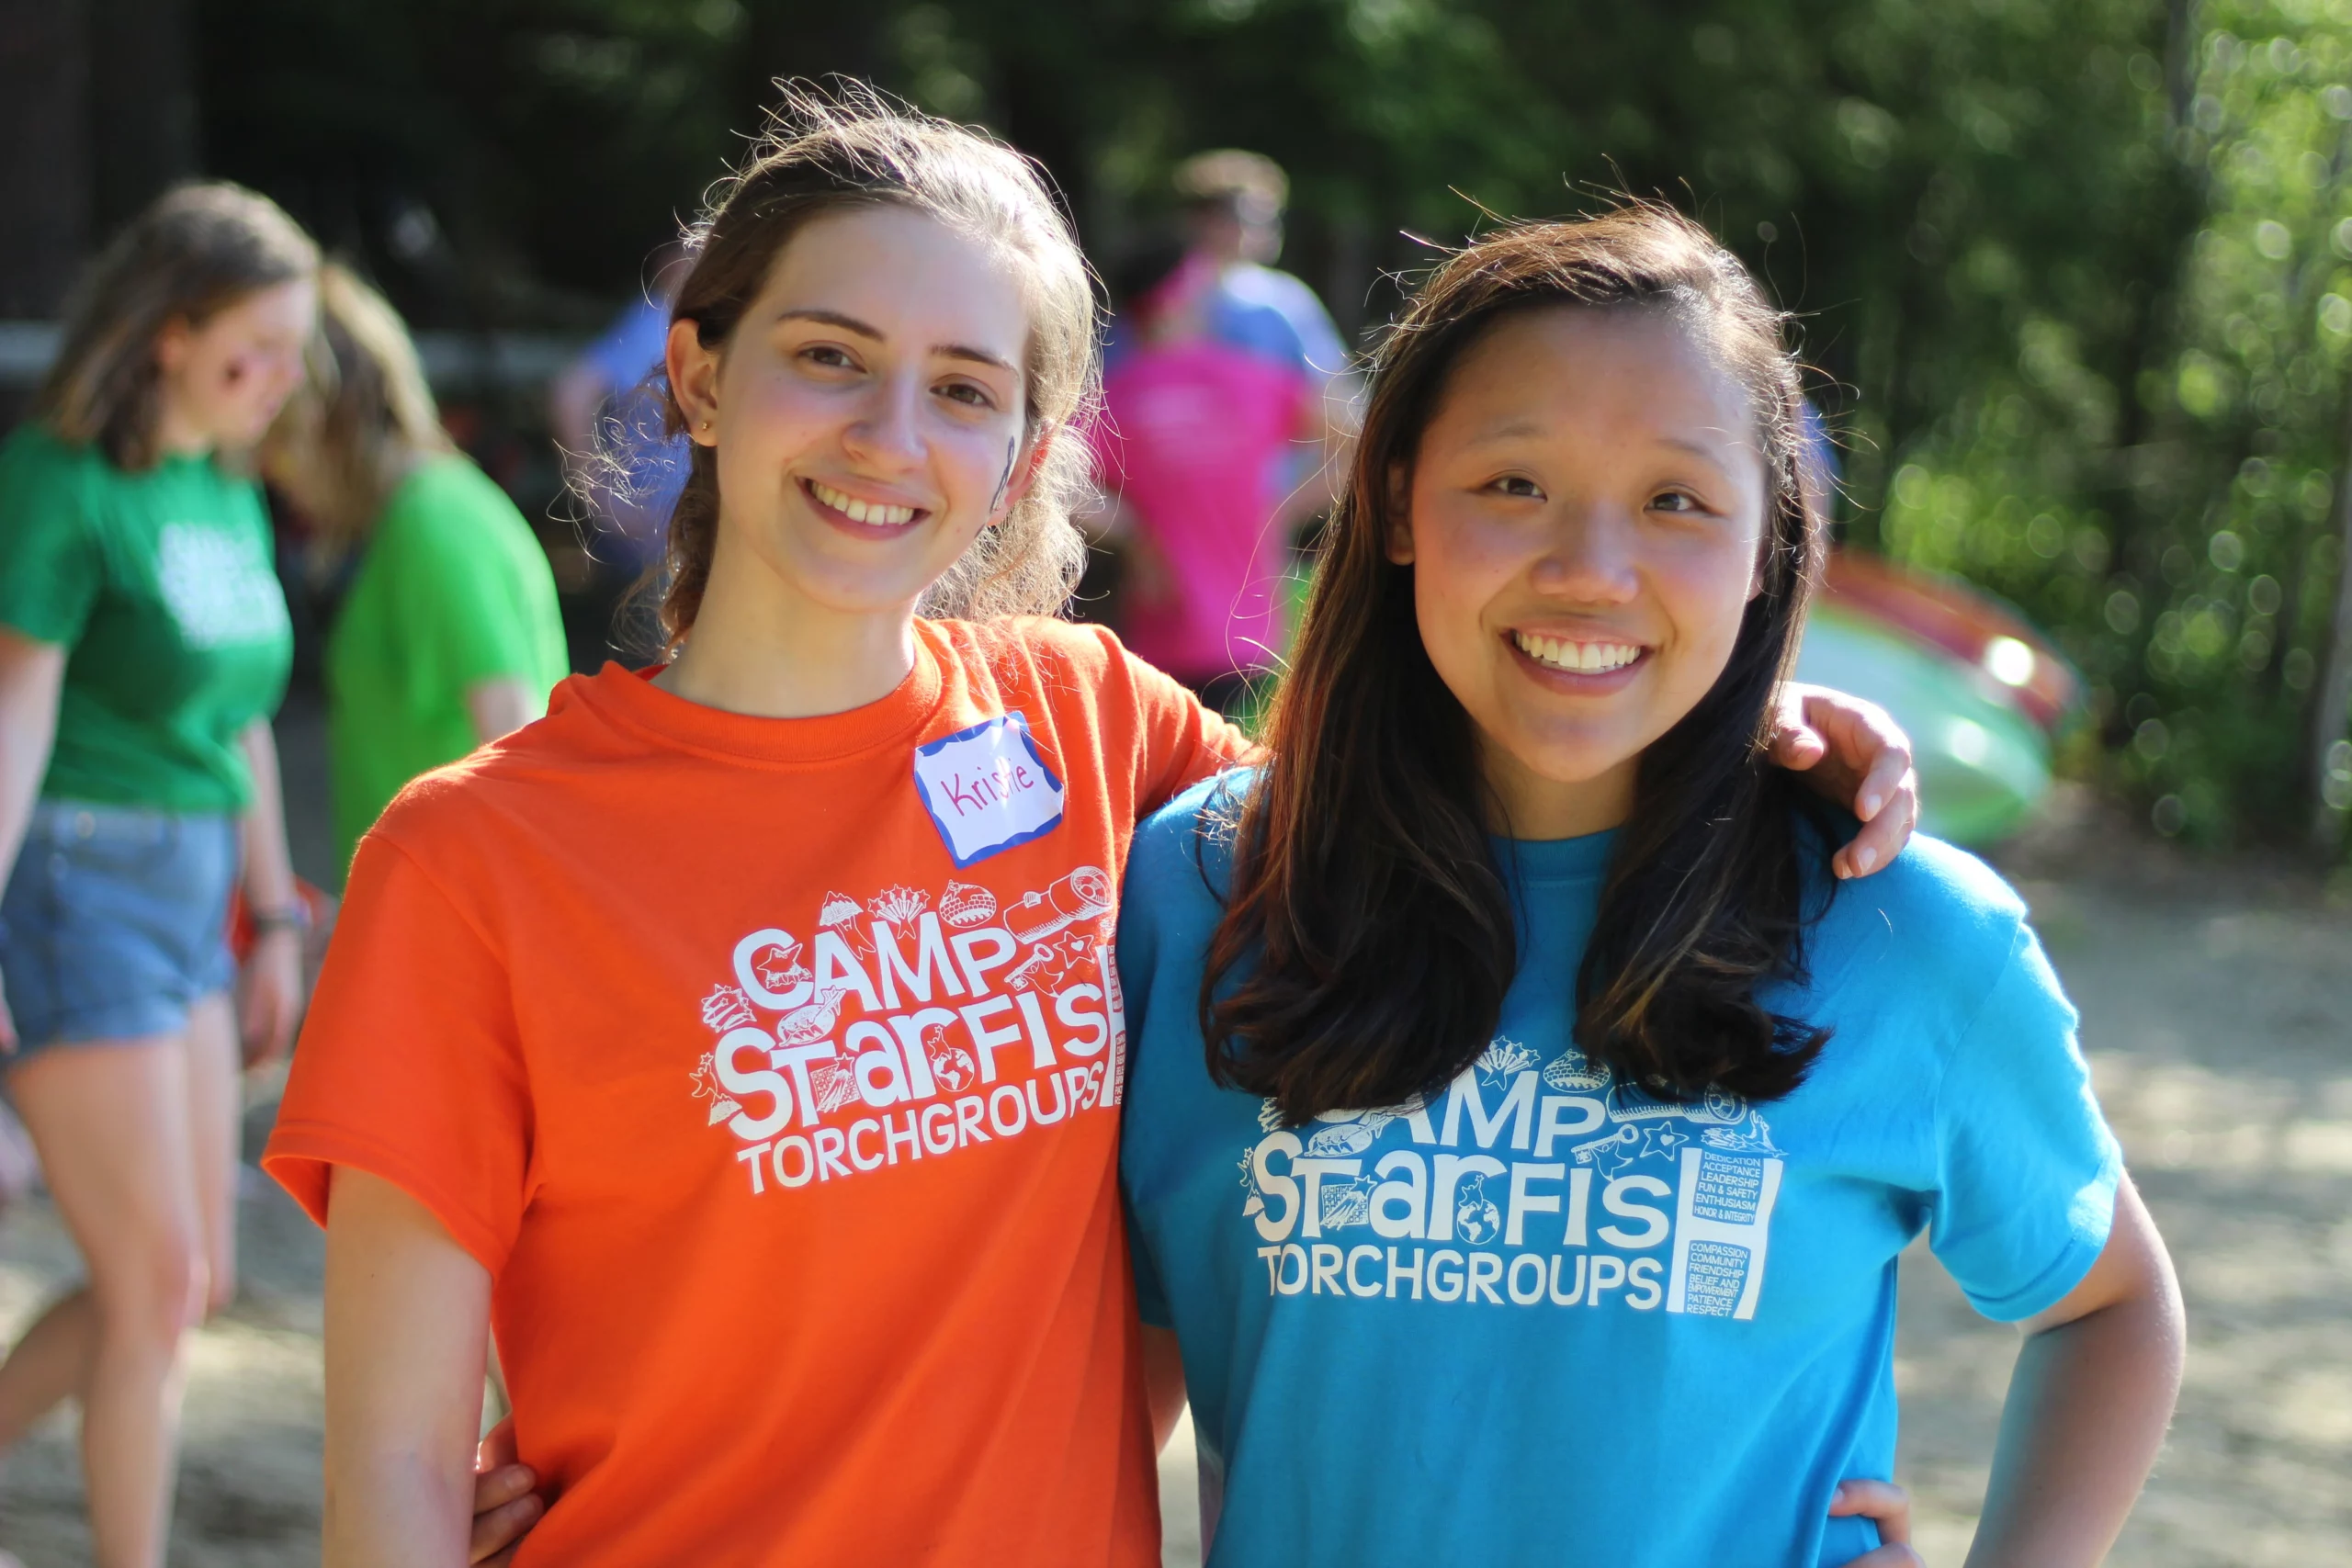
<point>743,1040</point>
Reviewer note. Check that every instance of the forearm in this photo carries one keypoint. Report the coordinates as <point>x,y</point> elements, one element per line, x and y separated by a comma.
<point>24,758</point>
<point>407,1333</point>
<point>268,864</point>
<point>30,676</point>
<point>396,1509</point>
<point>2086,1412</point>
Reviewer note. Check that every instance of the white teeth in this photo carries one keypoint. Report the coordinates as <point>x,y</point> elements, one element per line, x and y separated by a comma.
<point>1585,657</point>
<point>858,511</point>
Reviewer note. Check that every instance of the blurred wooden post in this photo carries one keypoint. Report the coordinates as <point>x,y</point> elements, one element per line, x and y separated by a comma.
<point>2329,716</point>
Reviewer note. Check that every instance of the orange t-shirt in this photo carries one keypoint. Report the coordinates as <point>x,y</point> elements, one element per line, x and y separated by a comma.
<point>771,1066</point>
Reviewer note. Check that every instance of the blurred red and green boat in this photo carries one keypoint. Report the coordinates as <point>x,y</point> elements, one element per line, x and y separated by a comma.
<point>1985,697</point>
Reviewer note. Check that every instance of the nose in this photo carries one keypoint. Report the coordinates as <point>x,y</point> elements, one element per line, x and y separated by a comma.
<point>1590,556</point>
<point>887,433</point>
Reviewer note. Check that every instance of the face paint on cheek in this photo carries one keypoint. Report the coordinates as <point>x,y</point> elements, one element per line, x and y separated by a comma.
<point>1011,450</point>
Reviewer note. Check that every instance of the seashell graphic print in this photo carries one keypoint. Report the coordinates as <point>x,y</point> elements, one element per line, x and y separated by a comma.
<point>838,910</point>
<point>965,905</point>
<point>1572,1071</point>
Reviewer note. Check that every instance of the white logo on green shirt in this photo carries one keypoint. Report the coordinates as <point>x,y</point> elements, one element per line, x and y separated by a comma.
<point>220,586</point>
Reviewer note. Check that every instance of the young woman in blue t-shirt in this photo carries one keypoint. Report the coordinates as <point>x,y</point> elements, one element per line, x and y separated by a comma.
<point>1579,1113</point>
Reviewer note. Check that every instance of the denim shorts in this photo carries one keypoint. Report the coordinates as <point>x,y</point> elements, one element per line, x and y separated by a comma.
<point>115,919</point>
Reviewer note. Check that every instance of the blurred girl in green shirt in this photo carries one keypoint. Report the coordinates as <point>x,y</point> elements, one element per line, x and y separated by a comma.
<point>143,646</point>
<point>449,635</point>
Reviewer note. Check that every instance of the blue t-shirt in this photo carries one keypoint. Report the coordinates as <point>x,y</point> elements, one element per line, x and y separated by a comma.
<point>1545,1318</point>
<point>633,505</point>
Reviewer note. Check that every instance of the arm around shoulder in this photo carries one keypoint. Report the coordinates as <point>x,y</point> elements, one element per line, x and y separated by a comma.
<point>407,1337</point>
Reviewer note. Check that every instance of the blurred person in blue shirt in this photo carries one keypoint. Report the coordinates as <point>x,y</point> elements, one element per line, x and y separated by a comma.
<point>608,422</point>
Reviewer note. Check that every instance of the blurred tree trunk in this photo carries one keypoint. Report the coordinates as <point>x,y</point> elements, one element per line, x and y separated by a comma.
<point>2332,709</point>
<point>44,152</point>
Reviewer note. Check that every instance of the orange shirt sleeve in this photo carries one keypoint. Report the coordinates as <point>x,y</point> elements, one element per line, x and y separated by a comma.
<point>410,1065</point>
<point>1183,742</point>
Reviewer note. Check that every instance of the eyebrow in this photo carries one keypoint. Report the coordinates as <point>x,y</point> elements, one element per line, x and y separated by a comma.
<point>868,330</point>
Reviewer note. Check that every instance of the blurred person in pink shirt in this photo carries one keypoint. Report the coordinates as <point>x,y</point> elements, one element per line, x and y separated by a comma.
<point>1197,436</point>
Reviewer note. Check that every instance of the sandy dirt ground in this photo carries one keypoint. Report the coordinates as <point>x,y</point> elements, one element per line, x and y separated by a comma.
<point>2217,1003</point>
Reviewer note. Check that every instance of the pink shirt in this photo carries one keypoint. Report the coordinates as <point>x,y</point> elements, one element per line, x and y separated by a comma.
<point>1191,435</point>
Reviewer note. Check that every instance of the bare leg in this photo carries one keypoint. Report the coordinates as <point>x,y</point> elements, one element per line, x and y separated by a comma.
<point>47,1365</point>
<point>216,1108</point>
<point>111,1122</point>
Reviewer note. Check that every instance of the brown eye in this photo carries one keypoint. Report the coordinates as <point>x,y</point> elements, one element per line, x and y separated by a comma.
<point>1518,486</point>
<point>967,394</point>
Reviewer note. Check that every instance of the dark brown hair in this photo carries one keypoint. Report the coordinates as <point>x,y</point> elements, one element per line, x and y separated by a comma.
<point>195,251</point>
<point>828,151</point>
<point>1367,941</point>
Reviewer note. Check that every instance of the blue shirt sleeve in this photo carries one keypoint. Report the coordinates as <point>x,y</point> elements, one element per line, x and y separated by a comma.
<point>2026,1167</point>
<point>1318,334</point>
<point>1136,953</point>
<point>632,345</point>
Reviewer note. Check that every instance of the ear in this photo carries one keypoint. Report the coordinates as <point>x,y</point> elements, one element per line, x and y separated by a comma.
<point>693,371</point>
<point>1021,474</point>
<point>171,345</point>
<point>1400,543</point>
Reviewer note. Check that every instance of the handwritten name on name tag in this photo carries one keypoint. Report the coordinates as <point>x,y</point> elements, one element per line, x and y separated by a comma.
<point>988,789</point>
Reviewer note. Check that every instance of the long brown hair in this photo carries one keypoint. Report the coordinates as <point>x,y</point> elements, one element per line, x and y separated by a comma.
<point>825,152</point>
<point>1367,941</point>
<point>194,252</point>
<point>365,416</point>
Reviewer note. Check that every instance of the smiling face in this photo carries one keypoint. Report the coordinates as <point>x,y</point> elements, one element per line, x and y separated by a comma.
<point>1585,519</point>
<point>223,382</point>
<point>867,412</point>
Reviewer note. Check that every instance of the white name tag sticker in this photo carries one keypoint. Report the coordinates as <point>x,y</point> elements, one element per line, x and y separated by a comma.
<point>988,789</point>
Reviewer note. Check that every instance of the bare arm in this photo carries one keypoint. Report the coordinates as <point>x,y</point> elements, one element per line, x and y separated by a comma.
<point>2088,1404</point>
<point>30,675</point>
<point>501,705</point>
<point>273,989</point>
<point>408,1336</point>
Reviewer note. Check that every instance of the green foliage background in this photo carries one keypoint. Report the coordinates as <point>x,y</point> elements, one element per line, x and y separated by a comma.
<point>2076,274</point>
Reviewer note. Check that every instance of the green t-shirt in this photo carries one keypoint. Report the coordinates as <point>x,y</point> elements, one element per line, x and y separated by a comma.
<point>454,590</point>
<point>161,587</point>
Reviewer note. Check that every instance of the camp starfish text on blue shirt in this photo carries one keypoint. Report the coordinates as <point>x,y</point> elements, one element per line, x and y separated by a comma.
<point>1527,1183</point>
